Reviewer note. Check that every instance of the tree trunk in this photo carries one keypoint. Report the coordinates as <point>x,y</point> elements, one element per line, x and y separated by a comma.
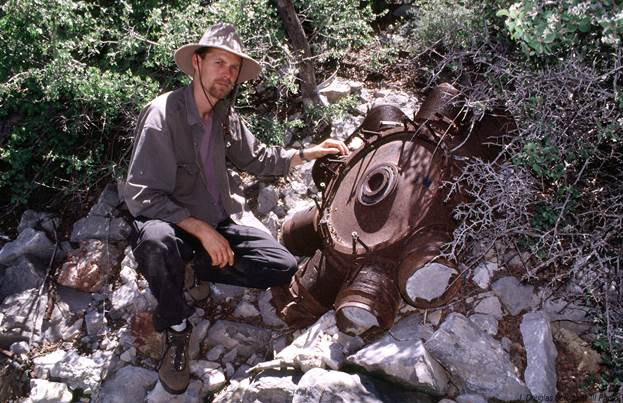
<point>299,43</point>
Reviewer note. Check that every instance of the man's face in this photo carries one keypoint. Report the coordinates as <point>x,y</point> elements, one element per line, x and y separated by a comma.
<point>219,71</point>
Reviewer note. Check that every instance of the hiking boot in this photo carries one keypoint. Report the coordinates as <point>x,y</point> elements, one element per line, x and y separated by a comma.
<point>173,370</point>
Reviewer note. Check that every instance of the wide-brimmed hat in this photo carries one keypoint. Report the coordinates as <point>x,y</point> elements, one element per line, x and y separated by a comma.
<point>221,36</point>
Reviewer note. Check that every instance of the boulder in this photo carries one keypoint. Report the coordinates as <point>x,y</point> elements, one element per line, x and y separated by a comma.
<point>319,385</point>
<point>210,374</point>
<point>404,361</point>
<point>490,305</point>
<point>321,345</point>
<point>193,394</point>
<point>540,373</point>
<point>88,268</point>
<point>30,244</point>
<point>20,276</point>
<point>515,296</point>
<point>103,228</point>
<point>483,274</point>
<point>246,339</point>
<point>42,391</point>
<point>461,347</point>
<point>40,221</point>
<point>128,384</point>
<point>486,323</point>
<point>22,317</point>
<point>269,386</point>
<point>267,199</point>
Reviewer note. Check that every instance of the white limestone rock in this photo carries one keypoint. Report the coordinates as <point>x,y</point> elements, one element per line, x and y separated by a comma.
<point>321,345</point>
<point>42,391</point>
<point>540,373</point>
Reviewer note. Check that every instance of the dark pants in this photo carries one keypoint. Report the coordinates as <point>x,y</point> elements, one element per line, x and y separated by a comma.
<point>162,250</point>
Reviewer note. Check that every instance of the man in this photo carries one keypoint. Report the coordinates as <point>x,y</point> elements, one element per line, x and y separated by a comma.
<point>178,191</point>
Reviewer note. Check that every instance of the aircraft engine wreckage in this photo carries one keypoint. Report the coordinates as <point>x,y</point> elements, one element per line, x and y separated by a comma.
<point>376,235</point>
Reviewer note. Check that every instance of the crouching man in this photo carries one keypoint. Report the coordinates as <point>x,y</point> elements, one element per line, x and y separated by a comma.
<point>177,189</point>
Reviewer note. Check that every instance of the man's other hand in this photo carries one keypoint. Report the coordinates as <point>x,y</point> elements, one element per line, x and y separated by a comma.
<point>214,243</point>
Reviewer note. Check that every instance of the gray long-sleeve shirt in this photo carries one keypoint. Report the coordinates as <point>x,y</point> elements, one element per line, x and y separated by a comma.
<point>166,179</point>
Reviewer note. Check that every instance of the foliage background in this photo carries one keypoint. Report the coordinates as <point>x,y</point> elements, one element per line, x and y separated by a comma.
<point>74,75</point>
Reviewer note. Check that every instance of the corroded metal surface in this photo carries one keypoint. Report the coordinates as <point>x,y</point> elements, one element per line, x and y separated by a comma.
<point>384,215</point>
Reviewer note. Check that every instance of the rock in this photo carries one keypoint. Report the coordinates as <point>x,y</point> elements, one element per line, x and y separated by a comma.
<point>268,311</point>
<point>19,277</point>
<point>198,334</point>
<point>540,373</point>
<point>215,353</point>
<point>269,386</point>
<point>483,274</point>
<point>30,244</point>
<point>246,338</point>
<point>588,359</point>
<point>192,395</point>
<point>460,347</point>
<point>246,310</point>
<point>42,391</point>
<point>110,196</point>
<point>62,324</point>
<point>77,301</point>
<point>88,268</point>
<point>486,323</point>
<point>319,385</point>
<point>411,328</point>
<point>128,355</point>
<point>213,379</point>
<point>20,347</point>
<point>80,371</point>
<point>146,339</point>
<point>321,345</point>
<point>405,362</point>
<point>490,305</point>
<point>225,293</point>
<point>39,221</point>
<point>96,323</point>
<point>128,384</point>
<point>568,315</point>
<point>129,299</point>
<point>515,297</point>
<point>44,363</point>
<point>430,282</point>
<point>335,90</point>
<point>271,221</point>
<point>434,317</point>
<point>22,318</point>
<point>471,398</point>
<point>267,199</point>
<point>250,220</point>
<point>103,228</point>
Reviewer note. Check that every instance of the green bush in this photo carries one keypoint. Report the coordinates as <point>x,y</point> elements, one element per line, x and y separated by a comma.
<point>544,28</point>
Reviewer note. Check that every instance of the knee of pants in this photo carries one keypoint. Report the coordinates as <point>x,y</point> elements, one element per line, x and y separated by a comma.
<point>154,243</point>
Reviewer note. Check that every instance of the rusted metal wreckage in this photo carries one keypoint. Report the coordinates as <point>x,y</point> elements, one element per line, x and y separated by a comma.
<point>376,235</point>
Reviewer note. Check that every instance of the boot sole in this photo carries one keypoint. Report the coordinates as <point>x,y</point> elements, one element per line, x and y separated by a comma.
<point>172,391</point>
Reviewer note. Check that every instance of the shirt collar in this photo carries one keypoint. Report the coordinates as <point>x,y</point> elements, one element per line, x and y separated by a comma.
<point>192,113</point>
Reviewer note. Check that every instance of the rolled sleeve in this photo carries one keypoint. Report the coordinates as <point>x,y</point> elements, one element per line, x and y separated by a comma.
<point>151,178</point>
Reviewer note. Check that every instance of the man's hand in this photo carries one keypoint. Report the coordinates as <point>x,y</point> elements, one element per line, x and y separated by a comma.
<point>329,146</point>
<point>214,243</point>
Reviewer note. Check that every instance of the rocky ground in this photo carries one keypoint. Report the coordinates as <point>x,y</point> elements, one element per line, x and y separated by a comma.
<point>88,335</point>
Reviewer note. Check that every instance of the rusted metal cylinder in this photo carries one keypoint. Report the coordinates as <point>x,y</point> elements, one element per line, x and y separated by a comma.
<point>299,232</point>
<point>369,301</point>
<point>443,109</point>
<point>424,279</point>
<point>311,291</point>
<point>381,194</point>
<point>382,117</point>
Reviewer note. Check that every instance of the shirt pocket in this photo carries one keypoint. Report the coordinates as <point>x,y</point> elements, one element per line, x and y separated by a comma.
<point>186,178</point>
